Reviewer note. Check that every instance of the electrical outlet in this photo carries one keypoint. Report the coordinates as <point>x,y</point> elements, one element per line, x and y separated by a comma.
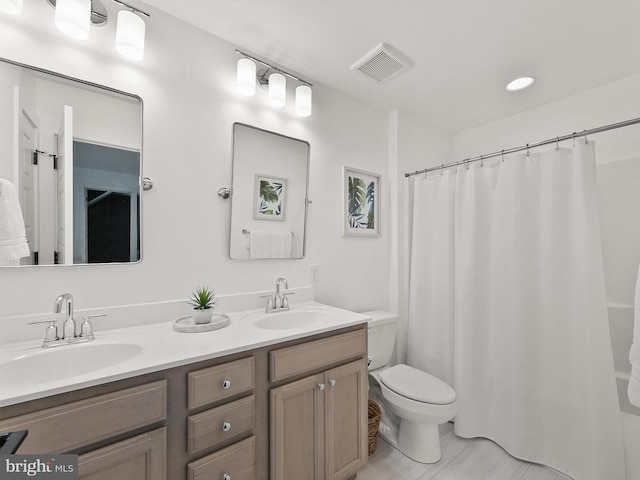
<point>315,273</point>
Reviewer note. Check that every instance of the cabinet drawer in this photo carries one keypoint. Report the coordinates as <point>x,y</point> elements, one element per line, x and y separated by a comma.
<point>208,385</point>
<point>72,425</point>
<point>207,429</point>
<point>306,357</point>
<point>238,461</point>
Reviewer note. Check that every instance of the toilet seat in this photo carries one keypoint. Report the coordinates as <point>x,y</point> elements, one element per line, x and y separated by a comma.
<point>417,385</point>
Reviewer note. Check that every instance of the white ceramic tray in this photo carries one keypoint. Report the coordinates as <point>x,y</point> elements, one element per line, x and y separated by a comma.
<point>187,325</point>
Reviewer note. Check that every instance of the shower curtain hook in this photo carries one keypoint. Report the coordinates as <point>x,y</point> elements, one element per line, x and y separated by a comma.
<point>527,149</point>
<point>442,169</point>
<point>573,137</point>
<point>481,161</point>
<point>466,160</point>
<point>502,152</point>
<point>557,143</point>
<point>586,140</point>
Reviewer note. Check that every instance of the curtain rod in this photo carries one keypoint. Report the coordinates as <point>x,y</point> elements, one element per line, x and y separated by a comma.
<point>528,146</point>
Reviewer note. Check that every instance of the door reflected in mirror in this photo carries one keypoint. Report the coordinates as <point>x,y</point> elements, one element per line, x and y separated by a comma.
<point>73,152</point>
<point>270,177</point>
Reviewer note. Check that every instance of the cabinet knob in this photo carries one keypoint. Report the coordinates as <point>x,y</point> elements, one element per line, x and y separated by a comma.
<point>321,386</point>
<point>332,382</point>
<point>226,426</point>
<point>226,384</point>
<point>226,476</point>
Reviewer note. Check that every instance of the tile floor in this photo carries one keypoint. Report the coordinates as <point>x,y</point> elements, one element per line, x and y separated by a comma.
<point>462,459</point>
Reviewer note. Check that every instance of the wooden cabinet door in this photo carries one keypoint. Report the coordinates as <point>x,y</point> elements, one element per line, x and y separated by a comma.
<point>143,457</point>
<point>346,423</point>
<point>297,430</point>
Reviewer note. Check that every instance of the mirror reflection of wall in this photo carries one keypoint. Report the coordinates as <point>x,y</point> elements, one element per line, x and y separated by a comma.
<point>268,195</point>
<point>86,138</point>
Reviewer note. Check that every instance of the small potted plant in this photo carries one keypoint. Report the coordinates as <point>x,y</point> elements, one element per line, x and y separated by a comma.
<point>203,300</point>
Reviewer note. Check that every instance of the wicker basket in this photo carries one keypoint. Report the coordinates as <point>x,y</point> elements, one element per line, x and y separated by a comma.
<point>374,423</point>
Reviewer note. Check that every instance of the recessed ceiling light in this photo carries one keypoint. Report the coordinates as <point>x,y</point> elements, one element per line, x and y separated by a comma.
<point>519,84</point>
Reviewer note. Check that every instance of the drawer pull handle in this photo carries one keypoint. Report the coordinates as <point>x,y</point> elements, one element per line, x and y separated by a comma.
<point>226,384</point>
<point>226,476</point>
<point>332,382</point>
<point>226,426</point>
<point>321,386</point>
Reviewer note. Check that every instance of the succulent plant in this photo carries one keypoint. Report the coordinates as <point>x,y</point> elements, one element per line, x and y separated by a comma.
<point>202,298</point>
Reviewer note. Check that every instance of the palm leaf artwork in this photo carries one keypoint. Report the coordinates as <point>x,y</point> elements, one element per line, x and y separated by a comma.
<point>371,197</point>
<point>270,197</point>
<point>356,195</point>
<point>268,191</point>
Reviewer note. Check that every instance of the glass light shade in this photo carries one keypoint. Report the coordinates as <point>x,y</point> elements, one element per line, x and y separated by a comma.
<point>73,17</point>
<point>520,84</point>
<point>12,7</point>
<point>130,35</point>
<point>246,77</point>
<point>303,101</point>
<point>277,90</point>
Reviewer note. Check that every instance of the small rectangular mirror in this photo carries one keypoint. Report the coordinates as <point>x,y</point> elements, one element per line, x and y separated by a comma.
<point>270,177</point>
<point>73,152</point>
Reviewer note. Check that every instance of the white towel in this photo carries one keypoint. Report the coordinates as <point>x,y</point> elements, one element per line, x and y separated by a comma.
<point>259,244</point>
<point>634,353</point>
<point>13,238</point>
<point>281,242</point>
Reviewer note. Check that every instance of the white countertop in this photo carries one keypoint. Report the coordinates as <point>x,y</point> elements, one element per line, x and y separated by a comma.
<point>162,348</point>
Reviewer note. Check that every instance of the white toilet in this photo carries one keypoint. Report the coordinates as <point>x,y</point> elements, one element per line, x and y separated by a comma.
<point>421,401</point>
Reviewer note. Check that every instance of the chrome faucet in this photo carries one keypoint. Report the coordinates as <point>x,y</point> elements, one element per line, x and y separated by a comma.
<point>69,325</point>
<point>69,334</point>
<point>278,302</point>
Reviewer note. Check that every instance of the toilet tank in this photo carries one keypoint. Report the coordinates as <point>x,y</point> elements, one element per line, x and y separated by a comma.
<point>381,337</point>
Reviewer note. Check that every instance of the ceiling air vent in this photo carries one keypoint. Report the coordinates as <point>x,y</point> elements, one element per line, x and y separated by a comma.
<point>382,63</point>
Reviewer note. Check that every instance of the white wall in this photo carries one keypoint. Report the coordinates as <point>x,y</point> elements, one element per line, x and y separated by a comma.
<point>187,83</point>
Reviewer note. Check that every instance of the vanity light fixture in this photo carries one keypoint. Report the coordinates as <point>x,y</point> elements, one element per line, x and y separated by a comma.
<point>303,101</point>
<point>74,17</point>
<point>246,77</point>
<point>519,84</point>
<point>12,7</point>
<point>277,90</point>
<point>274,79</point>
<point>130,33</point>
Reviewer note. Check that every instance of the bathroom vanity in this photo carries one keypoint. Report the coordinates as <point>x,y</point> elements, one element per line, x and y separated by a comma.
<point>289,405</point>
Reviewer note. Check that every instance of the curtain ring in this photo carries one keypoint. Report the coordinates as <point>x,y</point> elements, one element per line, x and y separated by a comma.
<point>586,141</point>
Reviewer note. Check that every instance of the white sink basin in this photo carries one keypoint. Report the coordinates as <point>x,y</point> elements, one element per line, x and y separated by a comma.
<point>291,319</point>
<point>41,365</point>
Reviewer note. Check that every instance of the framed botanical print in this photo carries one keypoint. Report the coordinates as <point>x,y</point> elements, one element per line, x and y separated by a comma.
<point>269,198</point>
<point>361,203</point>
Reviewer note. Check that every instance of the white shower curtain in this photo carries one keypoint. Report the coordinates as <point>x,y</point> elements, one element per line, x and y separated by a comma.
<point>507,304</point>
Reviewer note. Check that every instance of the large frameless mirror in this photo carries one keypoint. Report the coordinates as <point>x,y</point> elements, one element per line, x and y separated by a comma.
<point>270,177</point>
<point>73,153</point>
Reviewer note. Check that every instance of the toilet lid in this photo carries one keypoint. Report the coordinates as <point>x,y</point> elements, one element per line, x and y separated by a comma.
<point>417,385</point>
